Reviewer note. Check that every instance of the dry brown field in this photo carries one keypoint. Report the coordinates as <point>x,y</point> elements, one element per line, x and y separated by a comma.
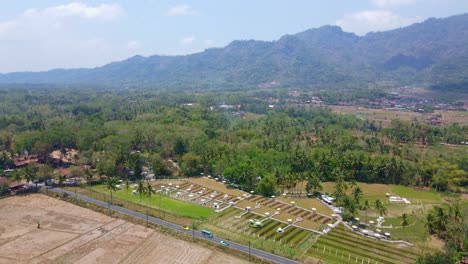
<point>386,116</point>
<point>217,186</point>
<point>72,234</point>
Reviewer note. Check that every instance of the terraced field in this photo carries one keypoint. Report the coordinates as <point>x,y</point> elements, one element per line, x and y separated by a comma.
<point>342,244</point>
<point>292,236</point>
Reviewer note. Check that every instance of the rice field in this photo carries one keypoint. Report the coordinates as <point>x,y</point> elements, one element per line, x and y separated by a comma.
<point>343,245</point>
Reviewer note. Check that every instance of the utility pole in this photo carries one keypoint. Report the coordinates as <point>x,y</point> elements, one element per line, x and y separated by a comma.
<point>160,194</point>
<point>249,250</point>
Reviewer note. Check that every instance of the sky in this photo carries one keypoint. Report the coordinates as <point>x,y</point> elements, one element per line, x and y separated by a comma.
<point>47,34</point>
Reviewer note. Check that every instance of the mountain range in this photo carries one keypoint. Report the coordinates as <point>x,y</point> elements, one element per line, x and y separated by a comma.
<point>433,52</point>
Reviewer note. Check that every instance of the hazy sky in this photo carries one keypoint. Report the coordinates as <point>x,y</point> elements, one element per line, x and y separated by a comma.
<point>41,35</point>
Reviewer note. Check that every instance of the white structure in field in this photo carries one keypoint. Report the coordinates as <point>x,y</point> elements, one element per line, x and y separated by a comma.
<point>398,199</point>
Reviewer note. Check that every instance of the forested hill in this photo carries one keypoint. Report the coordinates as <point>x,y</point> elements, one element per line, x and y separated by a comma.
<point>430,53</point>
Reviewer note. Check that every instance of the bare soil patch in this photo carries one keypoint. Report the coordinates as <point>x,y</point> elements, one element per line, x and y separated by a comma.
<point>72,234</point>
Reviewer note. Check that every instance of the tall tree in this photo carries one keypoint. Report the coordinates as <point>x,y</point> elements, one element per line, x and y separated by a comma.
<point>111,185</point>
<point>313,184</point>
<point>366,206</point>
<point>267,186</point>
<point>149,191</point>
<point>357,194</point>
<point>140,188</point>
<point>404,221</point>
<point>380,207</point>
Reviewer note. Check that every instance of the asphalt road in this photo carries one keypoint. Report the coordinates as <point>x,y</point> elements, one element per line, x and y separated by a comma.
<point>243,248</point>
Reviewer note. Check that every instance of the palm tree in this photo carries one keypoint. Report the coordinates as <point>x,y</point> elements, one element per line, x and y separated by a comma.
<point>111,185</point>
<point>357,194</point>
<point>379,206</point>
<point>366,207</point>
<point>141,188</point>
<point>340,190</point>
<point>350,205</point>
<point>149,192</point>
<point>127,184</point>
<point>441,219</point>
<point>313,184</point>
<point>404,221</point>
<point>430,223</point>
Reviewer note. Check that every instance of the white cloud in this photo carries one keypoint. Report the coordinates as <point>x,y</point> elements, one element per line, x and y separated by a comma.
<point>373,20</point>
<point>181,10</point>
<point>392,3</point>
<point>59,34</point>
<point>76,9</point>
<point>188,40</point>
<point>33,23</point>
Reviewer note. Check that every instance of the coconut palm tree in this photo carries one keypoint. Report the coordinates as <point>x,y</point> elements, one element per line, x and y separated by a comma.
<point>380,207</point>
<point>441,219</point>
<point>404,221</point>
<point>127,184</point>
<point>357,194</point>
<point>313,184</point>
<point>141,189</point>
<point>28,174</point>
<point>366,206</point>
<point>111,185</point>
<point>149,191</point>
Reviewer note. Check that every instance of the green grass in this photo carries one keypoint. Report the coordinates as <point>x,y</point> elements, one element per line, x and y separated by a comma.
<point>415,231</point>
<point>174,206</point>
<point>415,195</point>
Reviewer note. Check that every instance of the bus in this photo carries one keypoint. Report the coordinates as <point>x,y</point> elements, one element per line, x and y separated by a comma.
<point>207,233</point>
